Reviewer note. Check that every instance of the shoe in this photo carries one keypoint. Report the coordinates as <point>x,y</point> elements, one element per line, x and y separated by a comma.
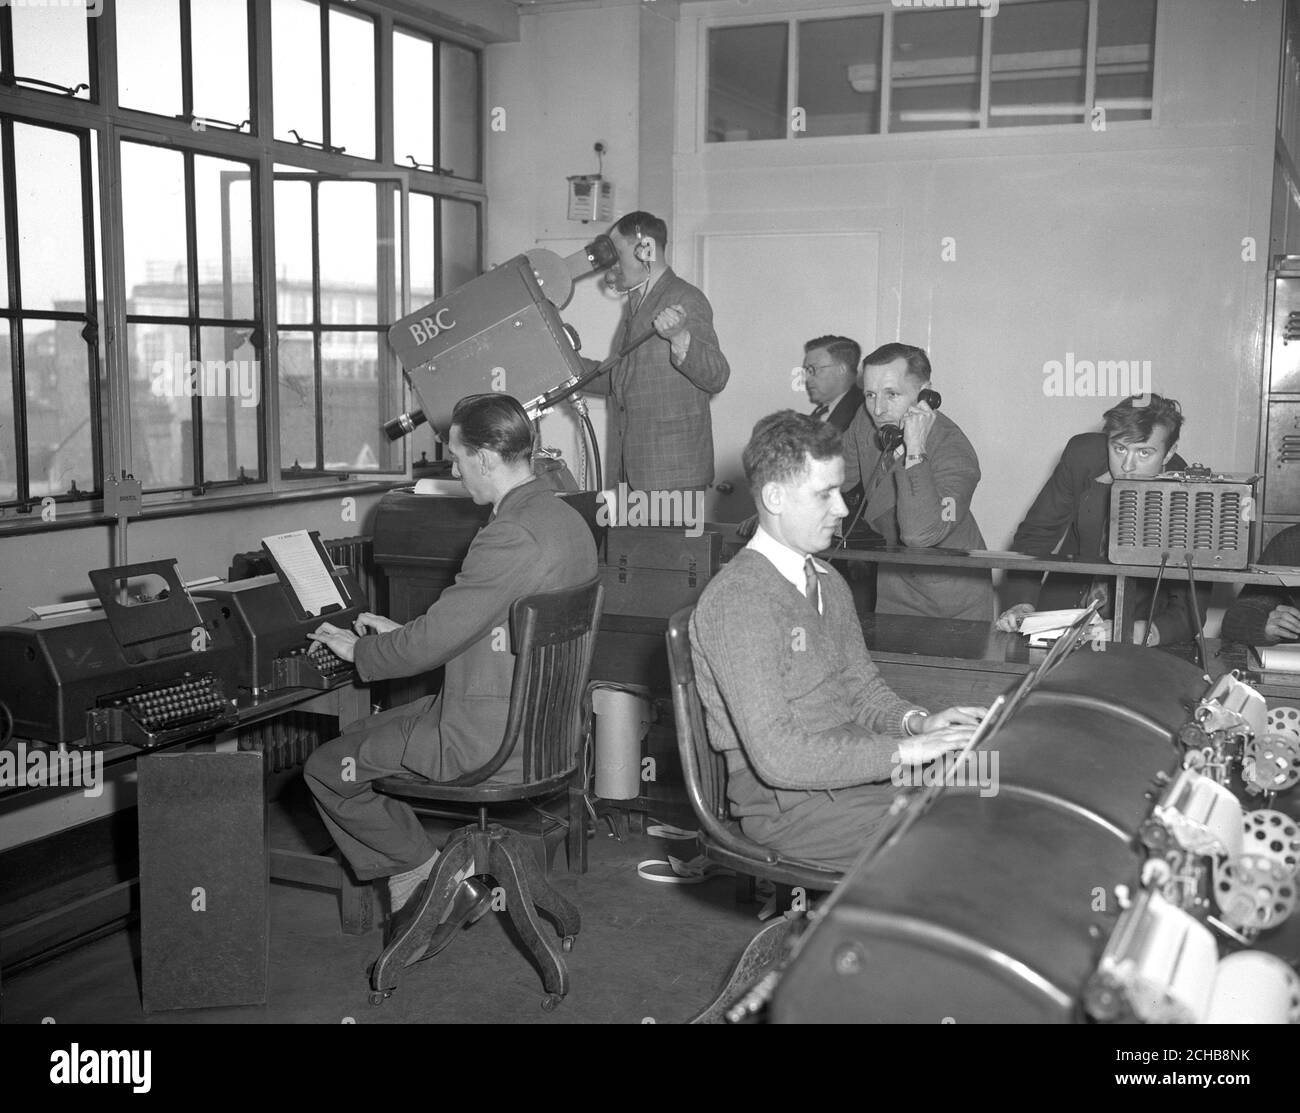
<point>469,904</point>
<point>405,924</point>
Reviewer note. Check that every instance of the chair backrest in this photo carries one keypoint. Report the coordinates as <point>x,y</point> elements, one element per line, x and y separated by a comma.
<point>704,768</point>
<point>554,638</point>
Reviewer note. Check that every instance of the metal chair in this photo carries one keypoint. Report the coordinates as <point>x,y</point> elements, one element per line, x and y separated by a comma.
<point>554,635</point>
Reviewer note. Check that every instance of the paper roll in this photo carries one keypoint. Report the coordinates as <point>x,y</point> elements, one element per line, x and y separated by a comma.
<point>621,722</point>
<point>1251,987</point>
<point>1202,815</point>
<point>1173,969</point>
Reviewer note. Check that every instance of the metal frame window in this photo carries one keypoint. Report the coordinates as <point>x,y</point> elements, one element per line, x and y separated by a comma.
<point>449,128</point>
<point>339,350</point>
<point>26,486</point>
<point>329,132</point>
<point>41,82</point>
<point>200,465</point>
<point>775,112</point>
<point>174,382</point>
<point>184,49</point>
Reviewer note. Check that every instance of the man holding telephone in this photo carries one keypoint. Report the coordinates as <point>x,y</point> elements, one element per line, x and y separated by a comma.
<point>918,473</point>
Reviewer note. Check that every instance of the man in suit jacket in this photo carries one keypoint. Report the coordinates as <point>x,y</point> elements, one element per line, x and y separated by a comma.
<point>533,542</point>
<point>830,376</point>
<point>918,494</point>
<point>1073,511</point>
<point>661,429</point>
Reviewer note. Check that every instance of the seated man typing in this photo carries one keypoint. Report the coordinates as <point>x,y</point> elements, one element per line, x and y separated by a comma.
<point>810,731</point>
<point>533,542</point>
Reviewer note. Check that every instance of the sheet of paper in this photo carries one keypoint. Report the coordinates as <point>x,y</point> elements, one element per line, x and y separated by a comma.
<point>1279,658</point>
<point>301,563</point>
<point>1041,621</point>
<point>1286,575</point>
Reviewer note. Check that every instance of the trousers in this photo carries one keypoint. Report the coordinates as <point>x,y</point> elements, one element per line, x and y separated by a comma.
<point>378,835</point>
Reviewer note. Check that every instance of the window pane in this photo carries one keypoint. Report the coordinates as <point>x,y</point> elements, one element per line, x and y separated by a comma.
<point>293,252</point>
<point>459,122</point>
<point>412,99</point>
<point>459,243</point>
<point>1126,36</point>
<point>50,44</point>
<point>1039,73</point>
<point>839,76</point>
<point>59,436</point>
<point>161,425</point>
<point>4,248</point>
<point>153,230</point>
<point>51,247</point>
<point>225,237</point>
<point>936,71</point>
<point>8,444</point>
<point>356,402</point>
<point>230,416</point>
<point>149,55</point>
<point>423,247</point>
<point>352,83</point>
<point>747,79</point>
<point>295,70</point>
<point>219,34</point>
<point>349,252</point>
<point>297,401</point>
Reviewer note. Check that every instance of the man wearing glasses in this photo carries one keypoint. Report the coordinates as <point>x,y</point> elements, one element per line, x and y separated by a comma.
<point>830,376</point>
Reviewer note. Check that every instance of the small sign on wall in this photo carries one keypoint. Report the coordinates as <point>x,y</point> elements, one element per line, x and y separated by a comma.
<point>591,197</point>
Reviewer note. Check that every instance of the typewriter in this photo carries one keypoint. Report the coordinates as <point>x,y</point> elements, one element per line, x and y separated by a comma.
<point>140,671</point>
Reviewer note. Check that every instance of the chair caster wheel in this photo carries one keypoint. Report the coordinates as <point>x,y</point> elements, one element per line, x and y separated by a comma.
<point>550,1001</point>
<point>566,944</point>
<point>379,996</point>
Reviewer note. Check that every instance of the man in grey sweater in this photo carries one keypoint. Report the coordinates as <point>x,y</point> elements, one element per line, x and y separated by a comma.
<point>812,736</point>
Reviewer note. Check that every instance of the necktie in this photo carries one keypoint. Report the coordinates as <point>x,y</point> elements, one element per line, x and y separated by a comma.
<point>820,412</point>
<point>812,589</point>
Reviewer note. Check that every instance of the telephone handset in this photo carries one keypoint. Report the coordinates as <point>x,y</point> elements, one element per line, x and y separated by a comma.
<point>890,437</point>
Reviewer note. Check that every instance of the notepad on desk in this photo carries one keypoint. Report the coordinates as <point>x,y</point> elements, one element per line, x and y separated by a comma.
<point>1042,627</point>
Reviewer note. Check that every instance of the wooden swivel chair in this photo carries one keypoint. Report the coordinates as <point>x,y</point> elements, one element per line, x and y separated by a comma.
<point>554,636</point>
<point>721,839</point>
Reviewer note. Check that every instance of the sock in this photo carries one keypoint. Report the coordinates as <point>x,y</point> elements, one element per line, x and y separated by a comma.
<point>401,886</point>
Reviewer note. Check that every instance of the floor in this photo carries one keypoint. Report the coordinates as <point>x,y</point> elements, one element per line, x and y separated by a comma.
<point>648,952</point>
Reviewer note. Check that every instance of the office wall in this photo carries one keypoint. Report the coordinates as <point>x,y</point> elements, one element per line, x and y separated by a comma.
<point>1125,245</point>
<point>1122,245</point>
<point>580,73</point>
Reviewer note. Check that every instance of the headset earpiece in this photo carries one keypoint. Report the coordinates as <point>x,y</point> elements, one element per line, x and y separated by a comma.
<point>645,248</point>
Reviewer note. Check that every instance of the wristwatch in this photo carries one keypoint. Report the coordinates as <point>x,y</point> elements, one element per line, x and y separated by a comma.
<point>916,457</point>
<point>907,719</point>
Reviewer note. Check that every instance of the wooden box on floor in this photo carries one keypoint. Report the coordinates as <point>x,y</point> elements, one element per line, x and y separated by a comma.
<point>204,880</point>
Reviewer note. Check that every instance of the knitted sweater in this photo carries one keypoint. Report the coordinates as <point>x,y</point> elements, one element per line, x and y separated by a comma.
<point>1244,621</point>
<point>793,700</point>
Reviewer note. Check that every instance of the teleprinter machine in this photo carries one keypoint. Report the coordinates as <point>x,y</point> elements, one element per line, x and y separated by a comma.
<point>270,625</point>
<point>144,672</point>
<point>1096,875</point>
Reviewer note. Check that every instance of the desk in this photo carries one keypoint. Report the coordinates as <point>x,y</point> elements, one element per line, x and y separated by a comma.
<point>115,903</point>
<point>1121,573</point>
